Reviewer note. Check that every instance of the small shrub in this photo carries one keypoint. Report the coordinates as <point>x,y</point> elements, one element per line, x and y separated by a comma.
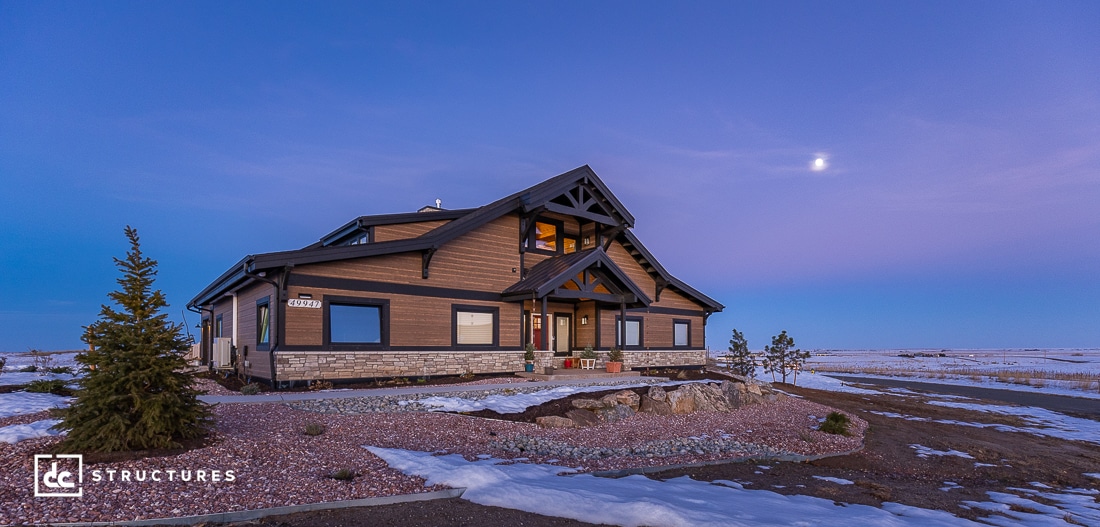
<point>28,369</point>
<point>836,423</point>
<point>320,385</point>
<point>343,474</point>
<point>314,429</point>
<point>55,386</point>
<point>467,375</point>
<point>588,353</point>
<point>615,355</point>
<point>61,369</point>
<point>250,389</point>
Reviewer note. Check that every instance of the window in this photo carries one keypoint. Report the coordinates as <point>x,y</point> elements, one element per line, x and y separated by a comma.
<point>633,332</point>
<point>218,327</point>
<point>546,236</point>
<point>681,333</point>
<point>263,324</point>
<point>355,324</point>
<point>475,325</point>
<point>570,244</point>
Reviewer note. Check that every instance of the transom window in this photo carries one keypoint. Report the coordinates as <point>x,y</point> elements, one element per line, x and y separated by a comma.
<point>355,324</point>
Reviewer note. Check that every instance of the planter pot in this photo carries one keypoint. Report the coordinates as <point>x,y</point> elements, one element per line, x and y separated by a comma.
<point>529,367</point>
<point>588,364</point>
<point>614,367</point>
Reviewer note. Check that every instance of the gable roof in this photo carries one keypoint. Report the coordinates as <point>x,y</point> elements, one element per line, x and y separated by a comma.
<point>552,273</point>
<point>543,196</point>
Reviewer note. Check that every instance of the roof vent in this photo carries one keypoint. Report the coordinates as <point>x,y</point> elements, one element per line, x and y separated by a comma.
<point>438,203</point>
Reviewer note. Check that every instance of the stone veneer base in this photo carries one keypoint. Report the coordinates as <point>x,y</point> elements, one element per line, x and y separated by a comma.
<point>336,365</point>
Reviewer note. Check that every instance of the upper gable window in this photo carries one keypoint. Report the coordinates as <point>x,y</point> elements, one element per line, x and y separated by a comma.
<point>546,237</point>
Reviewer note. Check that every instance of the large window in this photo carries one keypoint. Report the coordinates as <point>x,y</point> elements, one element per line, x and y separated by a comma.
<point>681,333</point>
<point>263,324</point>
<point>355,324</point>
<point>633,332</point>
<point>475,325</point>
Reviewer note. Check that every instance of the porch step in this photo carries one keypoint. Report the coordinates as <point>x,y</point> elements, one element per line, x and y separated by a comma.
<point>577,374</point>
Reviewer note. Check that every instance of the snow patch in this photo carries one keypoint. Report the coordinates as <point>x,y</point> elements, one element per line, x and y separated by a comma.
<point>16,433</point>
<point>19,403</point>
<point>923,451</point>
<point>838,481</point>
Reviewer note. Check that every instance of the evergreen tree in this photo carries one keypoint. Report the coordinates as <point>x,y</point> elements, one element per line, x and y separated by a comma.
<point>780,358</point>
<point>739,358</point>
<point>135,394</point>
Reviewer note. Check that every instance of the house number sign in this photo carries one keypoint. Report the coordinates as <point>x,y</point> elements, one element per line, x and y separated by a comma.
<point>302,302</point>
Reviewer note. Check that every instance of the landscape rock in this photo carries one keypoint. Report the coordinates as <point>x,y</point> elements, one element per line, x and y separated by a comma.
<point>658,394</point>
<point>553,421</point>
<point>681,401</point>
<point>653,406</point>
<point>629,398</point>
<point>614,413</point>
<point>583,418</point>
<point>590,404</point>
<point>709,398</point>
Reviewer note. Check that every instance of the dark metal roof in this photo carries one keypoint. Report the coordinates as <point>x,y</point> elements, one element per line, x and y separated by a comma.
<point>463,221</point>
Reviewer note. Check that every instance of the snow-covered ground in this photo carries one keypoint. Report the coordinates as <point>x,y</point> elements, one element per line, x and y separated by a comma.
<point>637,500</point>
<point>1008,369</point>
<point>19,403</point>
<point>506,403</point>
<point>18,361</point>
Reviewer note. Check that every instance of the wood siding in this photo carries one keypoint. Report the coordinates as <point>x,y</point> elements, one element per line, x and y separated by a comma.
<point>404,231</point>
<point>481,260</point>
<point>656,329</point>
<point>414,320</point>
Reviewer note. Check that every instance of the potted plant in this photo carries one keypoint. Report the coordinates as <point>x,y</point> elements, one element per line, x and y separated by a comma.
<point>615,360</point>
<point>529,357</point>
<point>588,359</point>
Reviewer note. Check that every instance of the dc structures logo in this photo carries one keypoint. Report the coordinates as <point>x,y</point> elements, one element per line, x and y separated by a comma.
<point>59,476</point>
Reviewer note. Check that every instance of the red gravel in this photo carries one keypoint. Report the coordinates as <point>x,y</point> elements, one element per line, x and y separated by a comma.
<point>275,464</point>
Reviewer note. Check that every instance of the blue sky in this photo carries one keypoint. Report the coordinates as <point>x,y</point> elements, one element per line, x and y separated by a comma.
<point>959,205</point>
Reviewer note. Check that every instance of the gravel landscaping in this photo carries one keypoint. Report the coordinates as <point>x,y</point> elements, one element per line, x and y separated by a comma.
<point>276,464</point>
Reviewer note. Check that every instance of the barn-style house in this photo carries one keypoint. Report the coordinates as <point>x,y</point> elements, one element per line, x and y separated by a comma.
<point>445,292</point>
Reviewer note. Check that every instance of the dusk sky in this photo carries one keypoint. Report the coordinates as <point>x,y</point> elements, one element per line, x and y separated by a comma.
<point>958,205</point>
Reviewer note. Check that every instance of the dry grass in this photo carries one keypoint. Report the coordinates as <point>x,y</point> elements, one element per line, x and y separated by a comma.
<point>1086,381</point>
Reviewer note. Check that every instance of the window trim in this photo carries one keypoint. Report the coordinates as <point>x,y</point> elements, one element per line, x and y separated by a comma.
<point>383,322</point>
<point>641,333</point>
<point>559,235</point>
<point>263,303</point>
<point>676,321</point>
<point>494,310</point>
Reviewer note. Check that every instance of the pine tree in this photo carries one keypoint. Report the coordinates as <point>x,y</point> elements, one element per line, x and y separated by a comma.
<point>739,358</point>
<point>780,358</point>
<point>135,394</point>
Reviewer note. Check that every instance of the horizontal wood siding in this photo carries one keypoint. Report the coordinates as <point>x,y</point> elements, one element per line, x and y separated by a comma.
<point>481,260</point>
<point>414,320</point>
<point>259,361</point>
<point>586,333</point>
<point>404,231</point>
<point>656,329</point>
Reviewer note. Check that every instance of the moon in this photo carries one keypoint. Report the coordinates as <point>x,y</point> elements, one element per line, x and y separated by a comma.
<point>819,163</point>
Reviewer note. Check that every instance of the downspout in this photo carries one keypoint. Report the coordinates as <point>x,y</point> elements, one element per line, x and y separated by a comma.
<point>202,334</point>
<point>234,295</point>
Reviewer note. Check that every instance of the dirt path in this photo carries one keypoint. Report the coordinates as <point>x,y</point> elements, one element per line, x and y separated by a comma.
<point>887,469</point>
